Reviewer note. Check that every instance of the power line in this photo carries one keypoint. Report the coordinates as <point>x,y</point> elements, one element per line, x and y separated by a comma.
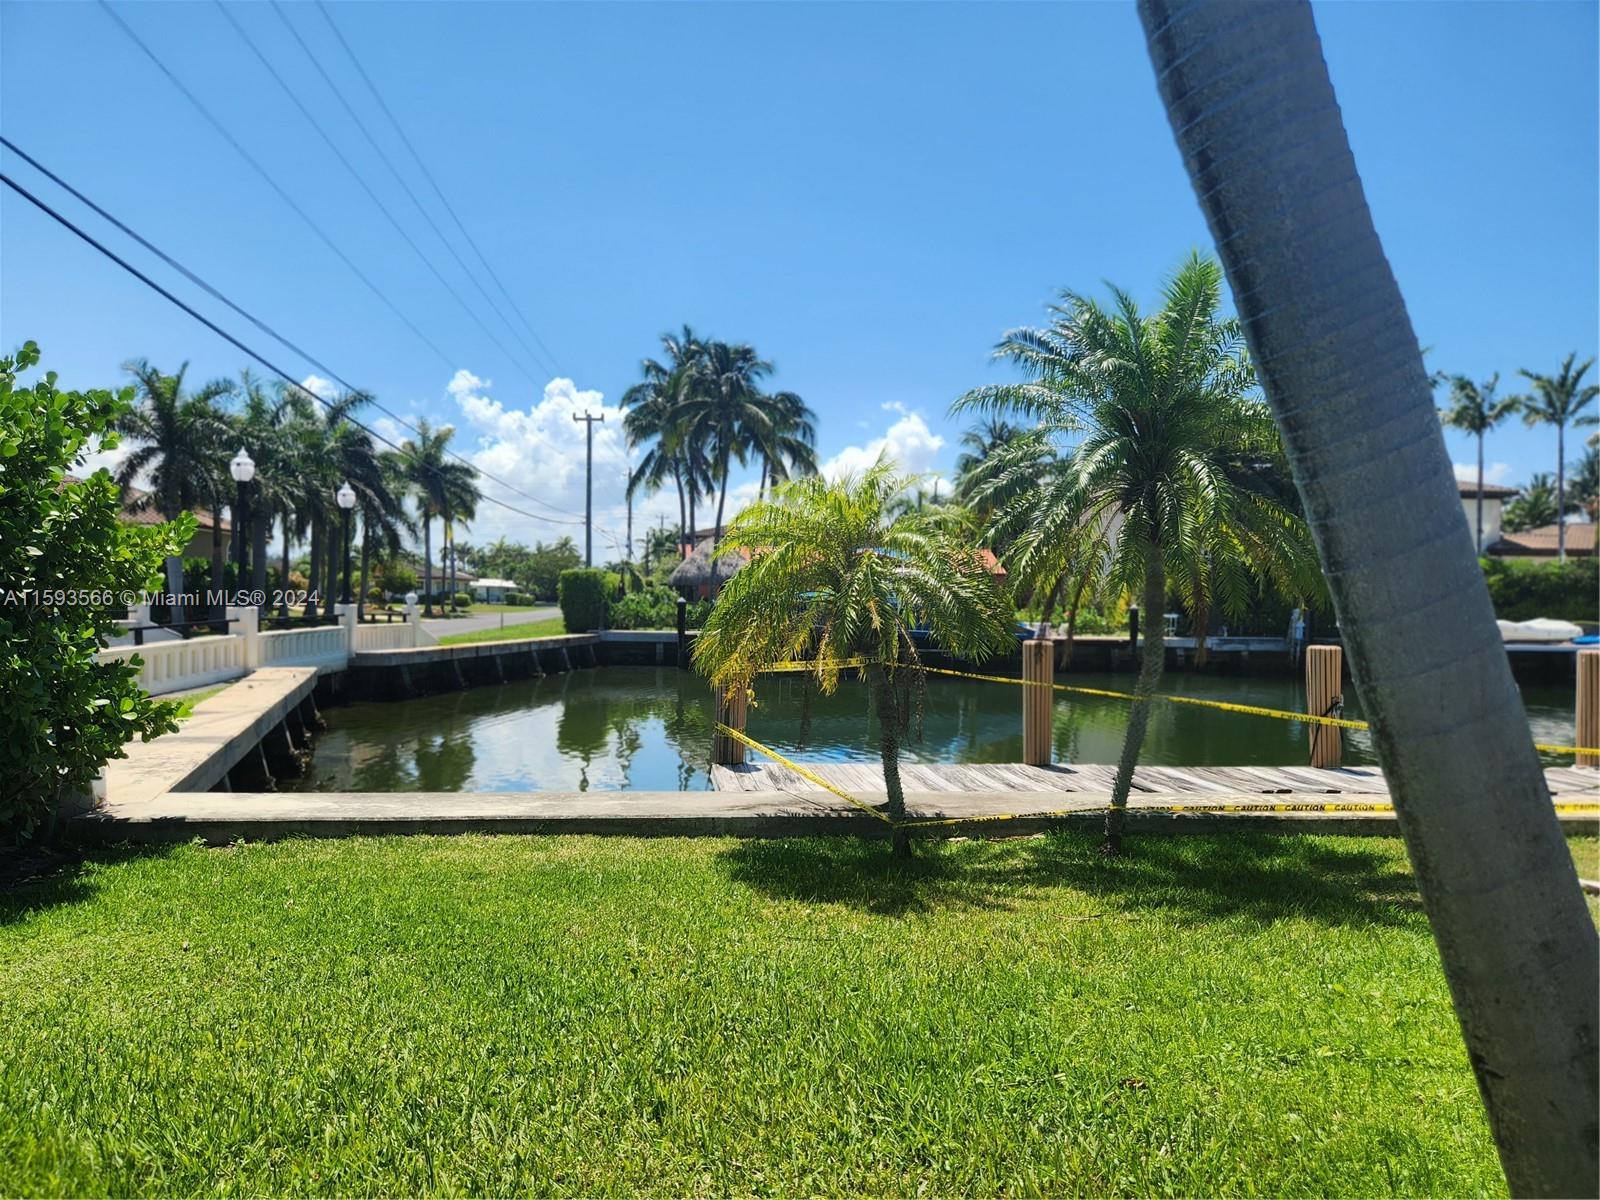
<point>274,185</point>
<point>406,187</point>
<point>239,345</point>
<point>428,175</point>
<point>367,188</point>
<point>267,329</point>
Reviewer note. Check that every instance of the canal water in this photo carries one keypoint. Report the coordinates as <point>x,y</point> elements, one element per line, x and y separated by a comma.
<point>649,728</point>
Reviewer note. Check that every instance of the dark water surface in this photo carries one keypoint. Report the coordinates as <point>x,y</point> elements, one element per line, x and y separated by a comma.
<point>649,728</point>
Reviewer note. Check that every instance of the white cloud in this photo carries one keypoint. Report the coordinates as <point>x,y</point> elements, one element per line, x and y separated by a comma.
<point>318,386</point>
<point>540,451</point>
<point>1492,472</point>
<point>908,443</point>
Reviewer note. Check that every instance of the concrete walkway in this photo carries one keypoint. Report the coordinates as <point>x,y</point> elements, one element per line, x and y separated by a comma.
<point>216,738</point>
<point>222,817</point>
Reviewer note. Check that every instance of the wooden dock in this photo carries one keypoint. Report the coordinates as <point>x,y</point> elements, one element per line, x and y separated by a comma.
<point>1312,784</point>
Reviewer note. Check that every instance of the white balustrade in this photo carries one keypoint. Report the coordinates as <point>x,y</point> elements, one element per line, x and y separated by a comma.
<point>321,646</point>
<point>178,665</point>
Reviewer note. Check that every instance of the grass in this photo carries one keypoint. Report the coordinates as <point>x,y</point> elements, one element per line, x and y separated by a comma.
<point>187,701</point>
<point>585,1016</point>
<point>546,627</point>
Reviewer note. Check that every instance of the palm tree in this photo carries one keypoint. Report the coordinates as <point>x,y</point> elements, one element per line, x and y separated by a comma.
<point>1585,480</point>
<point>385,524</point>
<point>1247,92</point>
<point>262,427</point>
<point>980,442</point>
<point>440,484</point>
<point>1474,410</point>
<point>1534,507</point>
<point>790,448</point>
<point>180,440</point>
<point>1560,400</point>
<point>655,414</point>
<point>834,577</point>
<point>1164,405</point>
<point>723,410</point>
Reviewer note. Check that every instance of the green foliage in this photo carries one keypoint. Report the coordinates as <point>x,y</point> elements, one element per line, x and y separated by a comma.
<point>398,577</point>
<point>1534,508</point>
<point>583,593</point>
<point>648,608</point>
<point>1522,589</point>
<point>1008,1017</point>
<point>462,600</point>
<point>62,713</point>
<point>544,627</point>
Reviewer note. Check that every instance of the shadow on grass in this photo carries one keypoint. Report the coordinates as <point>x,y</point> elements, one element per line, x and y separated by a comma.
<point>1195,877</point>
<point>37,877</point>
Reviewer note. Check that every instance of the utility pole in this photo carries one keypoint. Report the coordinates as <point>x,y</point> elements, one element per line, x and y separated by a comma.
<point>588,484</point>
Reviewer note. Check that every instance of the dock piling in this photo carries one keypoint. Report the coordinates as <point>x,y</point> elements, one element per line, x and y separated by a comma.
<point>1588,706</point>
<point>1324,696</point>
<point>1038,669</point>
<point>731,711</point>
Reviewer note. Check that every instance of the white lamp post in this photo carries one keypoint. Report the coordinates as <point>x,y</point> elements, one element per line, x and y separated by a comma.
<point>346,496</point>
<point>243,470</point>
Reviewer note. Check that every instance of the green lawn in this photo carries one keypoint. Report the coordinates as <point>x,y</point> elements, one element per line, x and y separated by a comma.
<point>547,627</point>
<point>587,1016</point>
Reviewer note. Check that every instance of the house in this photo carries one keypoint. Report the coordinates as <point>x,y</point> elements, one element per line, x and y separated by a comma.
<point>493,591</point>
<point>138,508</point>
<point>1494,497</point>
<point>1541,542</point>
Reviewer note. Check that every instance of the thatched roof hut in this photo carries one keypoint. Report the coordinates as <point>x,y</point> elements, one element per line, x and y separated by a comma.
<point>698,571</point>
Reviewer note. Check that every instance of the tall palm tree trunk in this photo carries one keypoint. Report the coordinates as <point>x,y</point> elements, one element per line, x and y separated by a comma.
<point>427,565</point>
<point>1152,659</point>
<point>314,567</point>
<point>217,555</point>
<point>366,563</point>
<point>259,521</point>
<point>722,498</point>
<point>1248,96</point>
<point>1478,541</point>
<point>888,710</point>
<point>283,568</point>
<point>1561,491</point>
<point>683,528</point>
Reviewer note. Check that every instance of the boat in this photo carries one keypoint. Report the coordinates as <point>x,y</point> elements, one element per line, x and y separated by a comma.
<point>1540,629</point>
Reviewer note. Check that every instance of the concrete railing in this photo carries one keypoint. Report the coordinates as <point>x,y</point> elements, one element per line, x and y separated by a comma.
<point>322,646</point>
<point>179,665</point>
<point>405,635</point>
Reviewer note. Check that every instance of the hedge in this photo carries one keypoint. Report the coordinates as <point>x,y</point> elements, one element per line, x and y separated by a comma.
<point>1523,589</point>
<point>582,594</point>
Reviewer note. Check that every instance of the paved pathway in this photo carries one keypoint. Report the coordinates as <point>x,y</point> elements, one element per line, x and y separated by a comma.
<point>490,620</point>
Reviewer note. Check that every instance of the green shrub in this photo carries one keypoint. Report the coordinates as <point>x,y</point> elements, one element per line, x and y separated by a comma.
<point>462,599</point>
<point>1522,589</point>
<point>697,613</point>
<point>63,713</point>
<point>582,593</point>
<point>648,608</point>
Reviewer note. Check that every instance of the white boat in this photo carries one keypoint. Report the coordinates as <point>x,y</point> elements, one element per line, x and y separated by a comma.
<point>1540,629</point>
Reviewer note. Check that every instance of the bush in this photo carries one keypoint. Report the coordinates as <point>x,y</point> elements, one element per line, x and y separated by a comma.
<point>581,592</point>
<point>697,614</point>
<point>463,600</point>
<point>63,713</point>
<point>398,578</point>
<point>375,595</point>
<point>649,608</point>
<point>1523,589</point>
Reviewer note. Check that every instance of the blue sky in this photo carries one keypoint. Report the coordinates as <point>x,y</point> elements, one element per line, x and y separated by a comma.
<point>868,193</point>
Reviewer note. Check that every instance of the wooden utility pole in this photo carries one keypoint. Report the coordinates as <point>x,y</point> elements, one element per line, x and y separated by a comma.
<point>588,420</point>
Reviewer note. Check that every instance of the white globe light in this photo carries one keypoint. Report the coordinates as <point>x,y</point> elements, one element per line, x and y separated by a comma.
<point>411,598</point>
<point>346,496</point>
<point>243,467</point>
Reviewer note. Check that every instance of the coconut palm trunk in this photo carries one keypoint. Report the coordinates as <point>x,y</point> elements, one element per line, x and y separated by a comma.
<point>1478,538</point>
<point>259,522</point>
<point>1249,98</point>
<point>217,557</point>
<point>889,725</point>
<point>283,567</point>
<point>1561,490</point>
<point>427,565</point>
<point>1153,654</point>
<point>366,564</point>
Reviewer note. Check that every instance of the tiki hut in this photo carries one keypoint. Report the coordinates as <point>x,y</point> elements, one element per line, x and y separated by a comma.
<point>699,577</point>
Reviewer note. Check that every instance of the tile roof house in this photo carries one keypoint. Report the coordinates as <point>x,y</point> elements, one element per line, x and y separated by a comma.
<point>1541,542</point>
<point>138,508</point>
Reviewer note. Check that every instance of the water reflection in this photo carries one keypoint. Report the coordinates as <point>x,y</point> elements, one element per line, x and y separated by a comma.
<point>650,728</point>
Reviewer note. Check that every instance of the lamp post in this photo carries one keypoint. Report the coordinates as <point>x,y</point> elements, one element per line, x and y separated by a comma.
<point>346,497</point>
<point>243,470</point>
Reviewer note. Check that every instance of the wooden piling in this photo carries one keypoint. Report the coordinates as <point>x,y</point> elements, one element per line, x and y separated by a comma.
<point>1038,701</point>
<point>1325,693</point>
<point>731,711</point>
<point>1588,706</point>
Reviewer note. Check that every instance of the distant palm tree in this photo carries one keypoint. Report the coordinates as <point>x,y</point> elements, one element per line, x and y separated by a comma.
<point>1560,400</point>
<point>385,523</point>
<point>262,427</point>
<point>723,410</point>
<point>654,417</point>
<point>180,438</point>
<point>790,448</point>
<point>1474,410</point>
<point>1161,406</point>
<point>980,442</point>
<point>832,577</point>
<point>1534,507</point>
<point>439,483</point>
<point>1585,481</point>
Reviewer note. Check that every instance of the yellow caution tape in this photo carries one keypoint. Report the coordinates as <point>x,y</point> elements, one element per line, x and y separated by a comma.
<point>745,740</point>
